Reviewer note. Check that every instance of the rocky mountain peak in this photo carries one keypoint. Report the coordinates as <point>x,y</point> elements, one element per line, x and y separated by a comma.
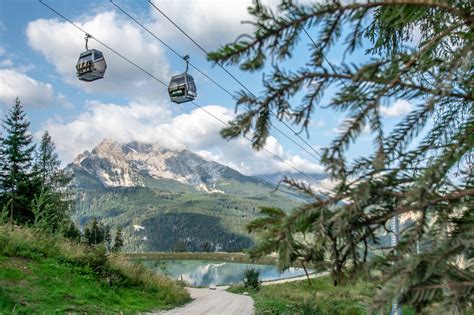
<point>127,165</point>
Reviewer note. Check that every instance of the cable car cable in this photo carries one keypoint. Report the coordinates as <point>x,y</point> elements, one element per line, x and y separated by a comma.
<point>207,76</point>
<point>169,47</point>
<point>233,77</point>
<point>102,43</point>
<point>335,72</point>
<point>165,85</point>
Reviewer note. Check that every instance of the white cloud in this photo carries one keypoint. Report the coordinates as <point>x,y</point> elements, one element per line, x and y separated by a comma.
<point>151,123</point>
<point>32,93</point>
<point>6,63</point>
<point>62,99</point>
<point>211,23</point>
<point>61,43</point>
<point>397,109</point>
<point>136,121</point>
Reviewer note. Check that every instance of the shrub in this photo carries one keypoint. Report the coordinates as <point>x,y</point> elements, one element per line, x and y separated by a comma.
<point>251,279</point>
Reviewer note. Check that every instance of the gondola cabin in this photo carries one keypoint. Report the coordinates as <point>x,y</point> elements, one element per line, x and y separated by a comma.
<point>91,65</point>
<point>182,88</point>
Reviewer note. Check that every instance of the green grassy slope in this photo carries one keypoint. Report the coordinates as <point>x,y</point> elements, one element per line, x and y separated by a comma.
<point>46,274</point>
<point>321,297</point>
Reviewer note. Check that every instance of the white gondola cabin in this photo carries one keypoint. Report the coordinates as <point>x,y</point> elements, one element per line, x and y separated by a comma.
<point>91,64</point>
<point>182,88</point>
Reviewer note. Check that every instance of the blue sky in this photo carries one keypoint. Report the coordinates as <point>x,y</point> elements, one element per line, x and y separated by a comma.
<point>38,53</point>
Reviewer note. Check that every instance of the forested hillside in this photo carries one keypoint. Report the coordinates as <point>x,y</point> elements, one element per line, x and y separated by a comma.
<point>192,205</point>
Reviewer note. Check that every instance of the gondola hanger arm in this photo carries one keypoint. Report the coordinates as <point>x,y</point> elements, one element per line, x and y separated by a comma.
<point>87,40</point>
<point>186,59</point>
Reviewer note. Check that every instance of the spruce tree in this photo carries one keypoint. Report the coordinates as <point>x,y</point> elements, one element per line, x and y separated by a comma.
<point>17,180</point>
<point>2,166</point>
<point>421,170</point>
<point>118,240</point>
<point>53,183</point>
<point>47,162</point>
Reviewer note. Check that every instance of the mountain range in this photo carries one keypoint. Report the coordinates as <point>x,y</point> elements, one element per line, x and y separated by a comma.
<point>164,199</point>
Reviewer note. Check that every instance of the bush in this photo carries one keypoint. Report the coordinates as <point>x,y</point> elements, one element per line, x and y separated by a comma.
<point>251,279</point>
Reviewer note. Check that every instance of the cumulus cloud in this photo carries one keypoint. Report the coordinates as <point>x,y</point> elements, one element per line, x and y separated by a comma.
<point>61,43</point>
<point>135,121</point>
<point>32,93</point>
<point>397,109</point>
<point>211,23</point>
<point>151,123</point>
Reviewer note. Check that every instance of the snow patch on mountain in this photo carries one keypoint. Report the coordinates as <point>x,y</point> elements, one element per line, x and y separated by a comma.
<point>125,165</point>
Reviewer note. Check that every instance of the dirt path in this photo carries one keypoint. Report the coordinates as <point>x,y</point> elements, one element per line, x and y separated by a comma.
<point>220,302</point>
<point>215,302</point>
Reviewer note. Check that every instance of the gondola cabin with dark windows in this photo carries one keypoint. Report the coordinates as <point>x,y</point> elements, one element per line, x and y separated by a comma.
<point>182,88</point>
<point>91,65</point>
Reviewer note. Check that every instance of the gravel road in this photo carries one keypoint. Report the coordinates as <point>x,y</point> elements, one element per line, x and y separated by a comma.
<point>214,302</point>
<point>220,302</point>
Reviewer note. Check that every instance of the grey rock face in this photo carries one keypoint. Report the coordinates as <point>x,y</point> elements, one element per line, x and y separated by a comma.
<point>123,165</point>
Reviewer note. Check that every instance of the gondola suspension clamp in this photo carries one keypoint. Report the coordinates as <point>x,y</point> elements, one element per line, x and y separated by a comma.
<point>87,40</point>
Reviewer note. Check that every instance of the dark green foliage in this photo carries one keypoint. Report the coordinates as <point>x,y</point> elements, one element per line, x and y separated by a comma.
<point>179,247</point>
<point>207,247</point>
<point>180,232</point>
<point>71,231</point>
<point>55,198</point>
<point>33,189</point>
<point>251,279</point>
<point>422,170</point>
<point>95,233</point>
<point>118,240</point>
<point>108,238</point>
<point>17,180</point>
<point>117,206</point>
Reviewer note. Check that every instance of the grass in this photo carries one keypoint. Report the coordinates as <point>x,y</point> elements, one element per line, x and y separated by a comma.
<point>41,273</point>
<point>320,298</point>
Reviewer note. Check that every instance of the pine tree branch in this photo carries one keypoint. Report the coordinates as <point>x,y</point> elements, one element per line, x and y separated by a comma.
<point>420,206</point>
<point>445,286</point>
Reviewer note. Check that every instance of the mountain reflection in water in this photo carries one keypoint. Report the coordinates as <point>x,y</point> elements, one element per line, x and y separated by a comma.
<point>205,273</point>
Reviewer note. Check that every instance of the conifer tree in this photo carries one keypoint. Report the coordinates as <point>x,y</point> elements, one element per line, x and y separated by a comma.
<point>47,162</point>
<point>2,165</point>
<point>53,183</point>
<point>108,238</point>
<point>421,170</point>
<point>96,232</point>
<point>17,180</point>
<point>70,231</point>
<point>118,240</point>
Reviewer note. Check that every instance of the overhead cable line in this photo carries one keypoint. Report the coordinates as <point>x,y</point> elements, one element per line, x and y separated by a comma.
<point>165,85</point>
<point>395,224</point>
<point>335,72</point>
<point>204,74</point>
<point>233,77</point>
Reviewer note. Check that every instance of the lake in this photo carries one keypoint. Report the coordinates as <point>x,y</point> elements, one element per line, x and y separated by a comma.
<point>205,273</point>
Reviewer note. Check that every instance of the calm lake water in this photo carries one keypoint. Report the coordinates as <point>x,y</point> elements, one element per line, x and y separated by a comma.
<point>205,273</point>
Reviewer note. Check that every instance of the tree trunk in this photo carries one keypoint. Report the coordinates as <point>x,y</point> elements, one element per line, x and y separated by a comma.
<point>306,272</point>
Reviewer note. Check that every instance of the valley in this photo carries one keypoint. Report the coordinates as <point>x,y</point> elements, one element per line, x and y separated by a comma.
<point>167,200</point>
